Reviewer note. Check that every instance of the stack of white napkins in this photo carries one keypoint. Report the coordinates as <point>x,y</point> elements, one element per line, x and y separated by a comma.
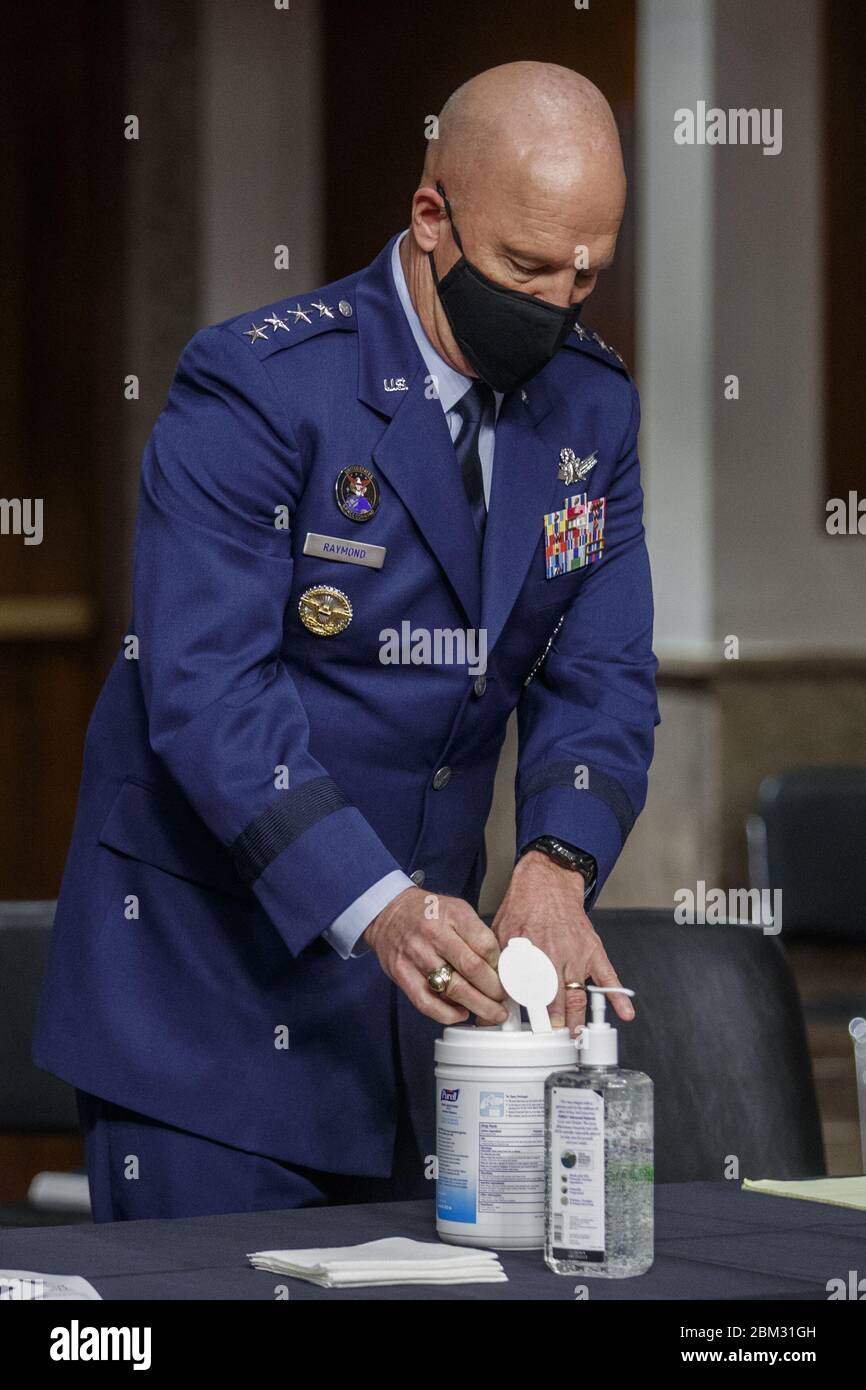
<point>394,1260</point>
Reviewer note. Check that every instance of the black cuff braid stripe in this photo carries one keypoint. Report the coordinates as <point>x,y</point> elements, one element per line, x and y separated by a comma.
<point>282,823</point>
<point>600,784</point>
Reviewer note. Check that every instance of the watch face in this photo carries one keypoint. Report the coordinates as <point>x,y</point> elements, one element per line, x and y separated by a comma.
<point>559,853</point>
<point>568,858</point>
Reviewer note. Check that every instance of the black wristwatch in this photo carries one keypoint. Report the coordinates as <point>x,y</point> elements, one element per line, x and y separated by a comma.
<point>567,856</point>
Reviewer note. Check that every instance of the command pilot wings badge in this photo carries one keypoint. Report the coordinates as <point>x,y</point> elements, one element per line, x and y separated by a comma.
<point>572,468</point>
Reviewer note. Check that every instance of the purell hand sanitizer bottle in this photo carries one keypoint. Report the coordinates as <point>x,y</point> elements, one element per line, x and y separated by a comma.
<point>598,1122</point>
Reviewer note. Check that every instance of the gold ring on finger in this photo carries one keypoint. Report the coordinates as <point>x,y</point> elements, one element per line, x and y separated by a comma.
<point>575,984</point>
<point>440,978</point>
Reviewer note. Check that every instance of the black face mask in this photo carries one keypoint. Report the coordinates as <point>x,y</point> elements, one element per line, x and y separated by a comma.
<point>505,335</point>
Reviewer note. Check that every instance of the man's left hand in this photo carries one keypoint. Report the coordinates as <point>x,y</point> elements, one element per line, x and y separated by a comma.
<point>544,903</point>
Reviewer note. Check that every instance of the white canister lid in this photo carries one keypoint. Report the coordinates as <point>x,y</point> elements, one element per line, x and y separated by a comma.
<point>465,1044</point>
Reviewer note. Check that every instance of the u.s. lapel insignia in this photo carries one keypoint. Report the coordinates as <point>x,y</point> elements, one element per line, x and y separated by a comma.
<point>574,536</point>
<point>324,610</point>
<point>357,493</point>
<point>572,469</point>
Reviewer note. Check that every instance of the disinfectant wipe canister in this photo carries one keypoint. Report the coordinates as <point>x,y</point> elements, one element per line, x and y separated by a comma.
<point>490,1123</point>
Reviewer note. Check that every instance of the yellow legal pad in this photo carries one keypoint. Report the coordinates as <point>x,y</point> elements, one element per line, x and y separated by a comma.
<point>836,1192</point>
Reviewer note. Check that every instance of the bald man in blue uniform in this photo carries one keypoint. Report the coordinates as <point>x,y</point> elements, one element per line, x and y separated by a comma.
<point>268,910</point>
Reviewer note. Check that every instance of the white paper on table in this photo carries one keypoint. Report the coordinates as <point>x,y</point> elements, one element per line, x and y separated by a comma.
<point>392,1250</point>
<point>26,1286</point>
<point>392,1260</point>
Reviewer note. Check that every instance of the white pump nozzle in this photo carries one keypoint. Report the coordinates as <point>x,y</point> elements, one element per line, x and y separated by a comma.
<point>597,1041</point>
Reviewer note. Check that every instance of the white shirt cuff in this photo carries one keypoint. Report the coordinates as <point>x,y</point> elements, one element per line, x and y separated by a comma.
<point>346,930</point>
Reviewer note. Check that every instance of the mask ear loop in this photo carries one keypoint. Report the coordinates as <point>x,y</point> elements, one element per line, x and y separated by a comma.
<point>443,195</point>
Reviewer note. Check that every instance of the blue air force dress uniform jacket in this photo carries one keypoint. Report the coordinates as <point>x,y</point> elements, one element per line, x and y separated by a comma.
<point>245,779</point>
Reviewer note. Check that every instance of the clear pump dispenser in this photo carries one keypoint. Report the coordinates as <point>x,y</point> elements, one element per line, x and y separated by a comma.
<point>598,1129</point>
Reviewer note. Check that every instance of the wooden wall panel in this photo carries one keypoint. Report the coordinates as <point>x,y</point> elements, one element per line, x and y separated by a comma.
<point>61,364</point>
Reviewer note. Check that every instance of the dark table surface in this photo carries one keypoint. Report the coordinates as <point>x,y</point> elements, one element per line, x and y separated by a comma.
<point>712,1241</point>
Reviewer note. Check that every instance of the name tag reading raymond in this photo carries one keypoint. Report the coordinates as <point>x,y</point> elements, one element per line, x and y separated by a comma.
<point>573,536</point>
<point>349,552</point>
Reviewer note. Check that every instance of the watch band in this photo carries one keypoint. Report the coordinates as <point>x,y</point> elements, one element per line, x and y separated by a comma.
<point>567,856</point>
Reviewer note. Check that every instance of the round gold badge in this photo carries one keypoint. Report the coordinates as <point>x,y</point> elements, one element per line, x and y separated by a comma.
<point>325,611</point>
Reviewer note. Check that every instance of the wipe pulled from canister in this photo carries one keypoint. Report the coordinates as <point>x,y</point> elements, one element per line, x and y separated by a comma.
<point>529,977</point>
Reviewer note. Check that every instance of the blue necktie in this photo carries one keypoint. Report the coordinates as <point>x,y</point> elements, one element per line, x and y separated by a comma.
<point>475,408</point>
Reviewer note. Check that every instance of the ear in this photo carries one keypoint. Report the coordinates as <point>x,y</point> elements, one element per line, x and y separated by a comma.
<point>428,214</point>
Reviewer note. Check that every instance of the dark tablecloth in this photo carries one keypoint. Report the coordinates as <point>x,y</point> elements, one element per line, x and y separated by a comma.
<point>713,1241</point>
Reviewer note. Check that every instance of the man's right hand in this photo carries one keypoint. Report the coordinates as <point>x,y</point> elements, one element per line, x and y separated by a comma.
<point>409,943</point>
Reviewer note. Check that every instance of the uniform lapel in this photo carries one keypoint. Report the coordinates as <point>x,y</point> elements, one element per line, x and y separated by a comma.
<point>525,486</point>
<point>415,453</point>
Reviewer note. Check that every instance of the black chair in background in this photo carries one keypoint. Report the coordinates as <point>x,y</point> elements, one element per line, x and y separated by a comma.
<point>808,839</point>
<point>32,1101</point>
<point>719,1029</point>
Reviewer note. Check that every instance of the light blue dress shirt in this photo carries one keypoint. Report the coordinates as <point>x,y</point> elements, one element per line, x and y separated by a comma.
<point>450,387</point>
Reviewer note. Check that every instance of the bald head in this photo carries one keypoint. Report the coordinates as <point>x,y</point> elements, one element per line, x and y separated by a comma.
<point>538,123</point>
<point>530,160</point>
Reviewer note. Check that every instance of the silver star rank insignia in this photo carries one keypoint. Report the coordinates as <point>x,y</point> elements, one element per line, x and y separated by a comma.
<point>299,314</point>
<point>253,332</point>
<point>324,311</point>
<point>276,323</point>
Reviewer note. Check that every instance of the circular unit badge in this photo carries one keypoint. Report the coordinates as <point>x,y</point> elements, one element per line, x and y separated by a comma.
<point>357,493</point>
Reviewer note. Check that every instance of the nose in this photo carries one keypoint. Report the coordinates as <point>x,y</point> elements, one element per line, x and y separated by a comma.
<point>583,290</point>
<point>565,292</point>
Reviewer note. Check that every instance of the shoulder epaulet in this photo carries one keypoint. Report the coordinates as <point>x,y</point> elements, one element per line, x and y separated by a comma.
<point>282,325</point>
<point>584,340</point>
